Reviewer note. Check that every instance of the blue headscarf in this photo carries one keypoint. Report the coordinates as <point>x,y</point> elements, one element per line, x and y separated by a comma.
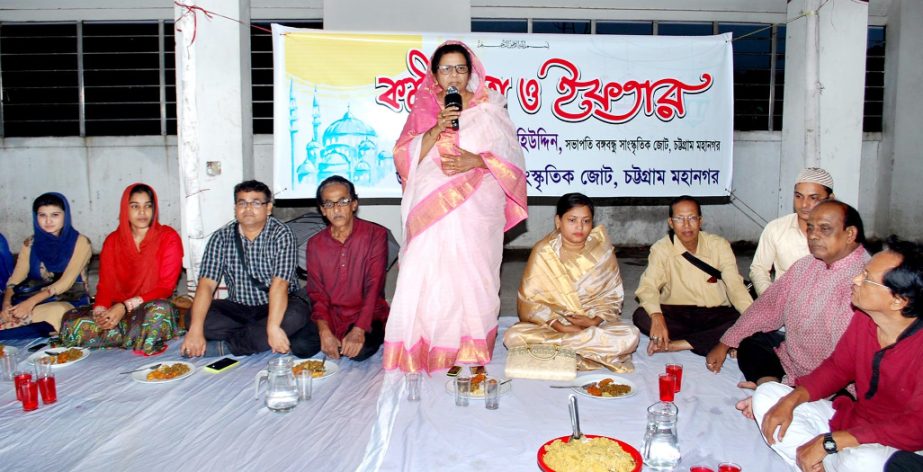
<point>53,251</point>
<point>6,261</point>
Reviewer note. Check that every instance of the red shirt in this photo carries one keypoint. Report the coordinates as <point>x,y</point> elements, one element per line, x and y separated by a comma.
<point>346,281</point>
<point>893,415</point>
<point>170,261</point>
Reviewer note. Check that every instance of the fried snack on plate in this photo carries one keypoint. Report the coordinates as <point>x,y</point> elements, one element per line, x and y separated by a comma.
<point>315,366</point>
<point>167,372</point>
<point>64,357</point>
<point>607,388</point>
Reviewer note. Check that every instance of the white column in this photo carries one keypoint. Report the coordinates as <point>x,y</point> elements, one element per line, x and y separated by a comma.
<point>824,94</point>
<point>902,139</point>
<point>214,111</point>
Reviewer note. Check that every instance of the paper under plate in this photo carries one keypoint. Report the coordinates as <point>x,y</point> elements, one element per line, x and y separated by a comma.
<point>42,353</point>
<point>141,375</point>
<point>330,368</point>
<point>579,382</point>
<point>504,389</point>
<point>625,446</point>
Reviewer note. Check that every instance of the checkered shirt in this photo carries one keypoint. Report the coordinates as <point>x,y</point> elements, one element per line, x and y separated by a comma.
<point>271,254</point>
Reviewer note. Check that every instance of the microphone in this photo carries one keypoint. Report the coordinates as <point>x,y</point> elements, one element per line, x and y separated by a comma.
<point>453,99</point>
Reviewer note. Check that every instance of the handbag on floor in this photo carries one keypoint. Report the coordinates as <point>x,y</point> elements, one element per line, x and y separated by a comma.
<point>541,362</point>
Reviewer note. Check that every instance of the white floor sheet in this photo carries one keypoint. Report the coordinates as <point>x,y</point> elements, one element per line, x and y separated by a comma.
<point>359,419</point>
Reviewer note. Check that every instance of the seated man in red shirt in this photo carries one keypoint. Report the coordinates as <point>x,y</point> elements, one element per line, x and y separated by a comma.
<point>882,352</point>
<point>346,264</point>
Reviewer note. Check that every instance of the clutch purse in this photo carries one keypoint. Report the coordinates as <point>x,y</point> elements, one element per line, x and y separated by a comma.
<point>541,362</point>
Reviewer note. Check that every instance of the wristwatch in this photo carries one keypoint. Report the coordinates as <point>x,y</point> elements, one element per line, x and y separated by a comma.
<point>829,443</point>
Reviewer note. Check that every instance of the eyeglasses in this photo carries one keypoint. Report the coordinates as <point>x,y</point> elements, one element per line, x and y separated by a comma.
<point>255,204</point>
<point>866,280</point>
<point>327,204</point>
<point>685,219</point>
<point>461,69</point>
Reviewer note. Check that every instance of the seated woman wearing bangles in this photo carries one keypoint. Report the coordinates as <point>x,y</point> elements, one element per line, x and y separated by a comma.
<point>571,292</point>
<point>139,267</point>
<point>51,271</point>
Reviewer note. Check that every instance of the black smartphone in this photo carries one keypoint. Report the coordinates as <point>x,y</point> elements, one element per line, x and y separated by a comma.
<point>453,372</point>
<point>37,347</point>
<point>221,365</point>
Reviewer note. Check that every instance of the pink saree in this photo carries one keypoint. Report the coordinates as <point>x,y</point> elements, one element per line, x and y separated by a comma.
<point>447,300</point>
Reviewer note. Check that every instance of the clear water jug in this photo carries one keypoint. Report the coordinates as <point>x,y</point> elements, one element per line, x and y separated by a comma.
<point>281,392</point>
<point>661,444</point>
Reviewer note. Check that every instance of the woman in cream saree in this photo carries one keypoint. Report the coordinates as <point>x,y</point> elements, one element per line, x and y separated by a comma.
<point>571,293</point>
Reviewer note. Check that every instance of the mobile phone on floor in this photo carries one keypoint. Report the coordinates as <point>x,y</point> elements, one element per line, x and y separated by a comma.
<point>222,365</point>
<point>453,372</point>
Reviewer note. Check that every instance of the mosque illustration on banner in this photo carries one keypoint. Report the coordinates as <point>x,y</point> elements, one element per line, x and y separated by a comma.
<point>348,147</point>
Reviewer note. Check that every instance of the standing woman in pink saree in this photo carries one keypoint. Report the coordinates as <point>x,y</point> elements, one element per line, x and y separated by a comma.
<point>462,190</point>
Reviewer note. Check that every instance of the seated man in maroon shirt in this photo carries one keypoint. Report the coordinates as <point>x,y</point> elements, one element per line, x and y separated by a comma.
<point>346,264</point>
<point>882,352</point>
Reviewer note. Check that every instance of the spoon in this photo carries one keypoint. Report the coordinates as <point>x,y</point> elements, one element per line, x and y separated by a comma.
<point>575,418</point>
<point>150,367</point>
<point>572,386</point>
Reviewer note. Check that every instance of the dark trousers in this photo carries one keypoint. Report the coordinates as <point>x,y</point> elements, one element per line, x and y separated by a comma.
<point>306,342</point>
<point>757,358</point>
<point>699,326</point>
<point>243,327</point>
<point>903,461</point>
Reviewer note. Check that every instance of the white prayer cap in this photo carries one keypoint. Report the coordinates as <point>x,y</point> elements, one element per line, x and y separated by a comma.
<point>815,175</point>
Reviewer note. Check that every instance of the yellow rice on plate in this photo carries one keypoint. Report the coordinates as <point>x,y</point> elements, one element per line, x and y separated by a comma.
<point>590,455</point>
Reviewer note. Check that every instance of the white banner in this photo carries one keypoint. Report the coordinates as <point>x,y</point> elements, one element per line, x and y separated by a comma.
<point>609,116</point>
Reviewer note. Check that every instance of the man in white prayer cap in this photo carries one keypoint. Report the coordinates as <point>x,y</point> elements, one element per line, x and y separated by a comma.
<point>784,239</point>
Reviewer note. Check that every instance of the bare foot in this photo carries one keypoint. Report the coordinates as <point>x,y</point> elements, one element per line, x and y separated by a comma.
<point>746,407</point>
<point>747,385</point>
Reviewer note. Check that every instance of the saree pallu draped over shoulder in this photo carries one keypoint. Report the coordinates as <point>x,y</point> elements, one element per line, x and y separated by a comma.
<point>588,285</point>
<point>447,301</point>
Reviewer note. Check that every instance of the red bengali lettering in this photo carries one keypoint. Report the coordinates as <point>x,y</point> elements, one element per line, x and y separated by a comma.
<point>530,95</point>
<point>579,99</point>
<point>497,84</point>
<point>398,94</point>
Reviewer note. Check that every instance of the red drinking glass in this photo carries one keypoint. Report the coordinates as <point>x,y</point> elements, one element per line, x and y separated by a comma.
<point>29,393</point>
<point>677,371</point>
<point>728,467</point>
<point>20,379</point>
<point>701,468</point>
<point>667,388</point>
<point>48,390</point>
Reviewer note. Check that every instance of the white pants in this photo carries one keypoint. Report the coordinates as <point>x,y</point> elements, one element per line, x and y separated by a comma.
<point>808,421</point>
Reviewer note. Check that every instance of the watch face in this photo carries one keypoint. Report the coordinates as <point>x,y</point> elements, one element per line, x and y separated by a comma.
<point>829,445</point>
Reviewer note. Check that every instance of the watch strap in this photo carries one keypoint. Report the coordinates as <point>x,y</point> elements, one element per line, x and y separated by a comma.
<point>829,443</point>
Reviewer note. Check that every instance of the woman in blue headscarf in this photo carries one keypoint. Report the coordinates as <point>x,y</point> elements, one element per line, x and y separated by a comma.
<point>50,273</point>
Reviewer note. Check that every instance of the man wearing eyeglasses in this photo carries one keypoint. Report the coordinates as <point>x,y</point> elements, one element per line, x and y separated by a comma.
<point>881,352</point>
<point>346,264</point>
<point>682,305</point>
<point>812,302</point>
<point>255,255</point>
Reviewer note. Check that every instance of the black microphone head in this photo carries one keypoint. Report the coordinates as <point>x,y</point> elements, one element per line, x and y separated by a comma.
<point>453,99</point>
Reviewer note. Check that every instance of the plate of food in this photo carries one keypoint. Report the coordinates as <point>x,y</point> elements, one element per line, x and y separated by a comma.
<point>594,452</point>
<point>606,387</point>
<point>162,372</point>
<point>60,356</point>
<point>320,368</point>
<point>477,386</point>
